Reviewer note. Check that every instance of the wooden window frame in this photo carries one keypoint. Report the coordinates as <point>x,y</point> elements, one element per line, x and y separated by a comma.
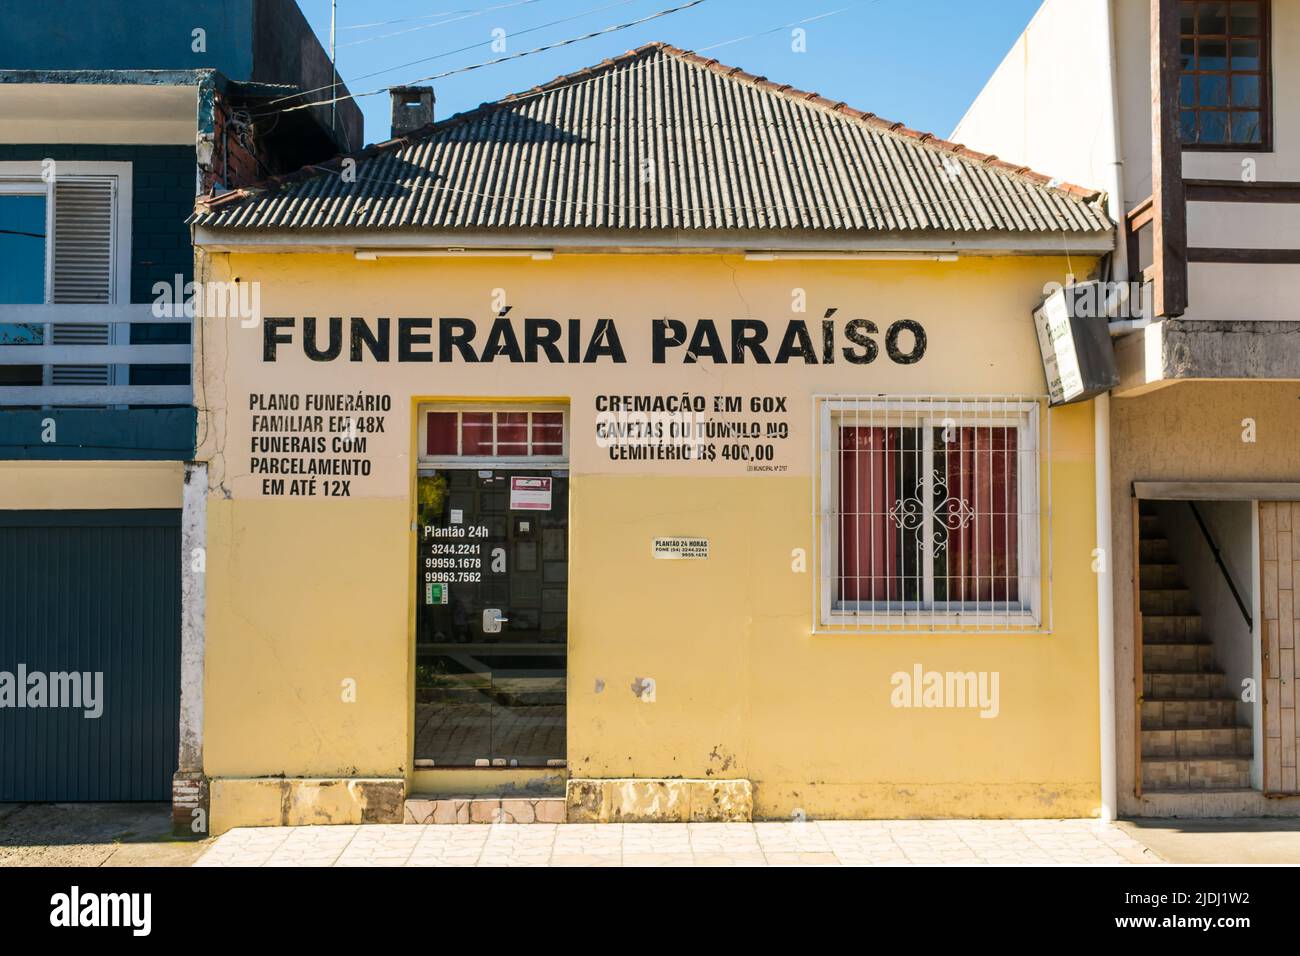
<point>1265,73</point>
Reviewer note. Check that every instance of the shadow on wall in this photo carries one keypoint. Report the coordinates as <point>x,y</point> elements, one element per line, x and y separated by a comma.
<point>1230,526</point>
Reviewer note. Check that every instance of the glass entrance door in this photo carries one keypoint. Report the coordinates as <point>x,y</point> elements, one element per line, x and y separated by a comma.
<point>492,617</point>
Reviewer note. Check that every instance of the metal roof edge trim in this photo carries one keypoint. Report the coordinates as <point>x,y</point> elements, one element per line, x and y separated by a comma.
<point>641,241</point>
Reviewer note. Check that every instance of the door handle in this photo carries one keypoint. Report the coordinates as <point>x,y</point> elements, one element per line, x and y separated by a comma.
<point>492,620</point>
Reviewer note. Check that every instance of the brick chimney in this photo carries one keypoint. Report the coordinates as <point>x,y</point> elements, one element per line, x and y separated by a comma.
<point>412,108</point>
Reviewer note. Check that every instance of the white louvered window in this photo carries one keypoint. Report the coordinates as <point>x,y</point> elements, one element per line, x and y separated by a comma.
<point>929,516</point>
<point>82,268</point>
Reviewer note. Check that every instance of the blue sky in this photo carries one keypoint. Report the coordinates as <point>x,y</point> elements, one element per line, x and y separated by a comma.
<point>917,61</point>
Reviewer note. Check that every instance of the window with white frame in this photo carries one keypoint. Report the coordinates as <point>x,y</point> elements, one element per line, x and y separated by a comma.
<point>929,514</point>
<point>65,237</point>
<point>465,434</point>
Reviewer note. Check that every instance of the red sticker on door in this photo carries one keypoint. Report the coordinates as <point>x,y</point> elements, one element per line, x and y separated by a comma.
<point>530,494</point>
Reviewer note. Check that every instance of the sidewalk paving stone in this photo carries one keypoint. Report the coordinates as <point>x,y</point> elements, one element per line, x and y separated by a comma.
<point>802,843</point>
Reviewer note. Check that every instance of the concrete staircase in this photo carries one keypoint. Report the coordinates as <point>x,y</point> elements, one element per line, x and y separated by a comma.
<point>1192,739</point>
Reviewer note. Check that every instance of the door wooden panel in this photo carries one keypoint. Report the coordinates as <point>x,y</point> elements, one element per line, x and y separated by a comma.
<point>1279,540</point>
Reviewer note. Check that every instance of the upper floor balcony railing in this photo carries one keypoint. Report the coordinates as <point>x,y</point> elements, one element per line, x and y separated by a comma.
<point>61,355</point>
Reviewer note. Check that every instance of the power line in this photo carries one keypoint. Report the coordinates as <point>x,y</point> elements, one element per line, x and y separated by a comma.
<point>501,59</point>
<point>785,26</point>
<point>463,49</point>
<point>467,15</point>
<point>520,97</point>
<point>513,33</point>
<point>384,23</point>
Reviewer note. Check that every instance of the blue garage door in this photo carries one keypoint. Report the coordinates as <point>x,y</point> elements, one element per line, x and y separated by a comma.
<point>89,635</point>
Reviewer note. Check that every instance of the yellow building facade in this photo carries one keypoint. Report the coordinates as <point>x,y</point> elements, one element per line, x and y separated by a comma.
<point>759,524</point>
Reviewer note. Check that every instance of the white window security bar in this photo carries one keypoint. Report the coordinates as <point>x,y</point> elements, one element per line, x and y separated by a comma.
<point>928,514</point>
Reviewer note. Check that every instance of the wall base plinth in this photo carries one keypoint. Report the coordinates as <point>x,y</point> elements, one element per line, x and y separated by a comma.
<point>295,802</point>
<point>659,801</point>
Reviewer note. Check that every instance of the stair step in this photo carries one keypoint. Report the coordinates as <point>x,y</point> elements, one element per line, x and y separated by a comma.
<point>1164,601</point>
<point>1181,686</point>
<point>1171,629</point>
<point>517,808</point>
<point>1158,574</point>
<point>1156,550</point>
<point>1168,714</point>
<point>1195,773</point>
<point>1198,742</point>
<point>1189,658</point>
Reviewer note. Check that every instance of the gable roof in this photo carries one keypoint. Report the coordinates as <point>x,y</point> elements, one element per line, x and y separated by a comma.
<point>664,139</point>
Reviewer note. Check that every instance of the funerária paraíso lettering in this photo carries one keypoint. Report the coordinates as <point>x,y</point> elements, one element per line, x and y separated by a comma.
<point>578,342</point>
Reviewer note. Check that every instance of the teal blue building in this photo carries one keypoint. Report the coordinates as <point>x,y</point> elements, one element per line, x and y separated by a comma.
<point>114,115</point>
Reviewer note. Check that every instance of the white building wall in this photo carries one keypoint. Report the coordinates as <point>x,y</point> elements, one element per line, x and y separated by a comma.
<point>1252,292</point>
<point>1046,104</point>
<point>1231,526</point>
<point>1133,52</point>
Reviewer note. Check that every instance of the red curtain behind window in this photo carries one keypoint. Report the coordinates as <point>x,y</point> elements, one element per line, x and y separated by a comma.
<point>869,566</point>
<point>981,513</point>
<point>441,428</point>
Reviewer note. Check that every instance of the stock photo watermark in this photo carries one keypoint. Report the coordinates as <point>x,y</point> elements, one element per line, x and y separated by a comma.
<point>957,690</point>
<point>72,690</point>
<point>77,908</point>
<point>178,298</point>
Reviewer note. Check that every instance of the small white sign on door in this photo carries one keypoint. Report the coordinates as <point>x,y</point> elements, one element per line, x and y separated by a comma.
<point>681,549</point>
<point>530,494</point>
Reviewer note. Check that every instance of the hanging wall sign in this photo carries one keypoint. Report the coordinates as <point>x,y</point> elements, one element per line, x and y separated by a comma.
<point>1074,339</point>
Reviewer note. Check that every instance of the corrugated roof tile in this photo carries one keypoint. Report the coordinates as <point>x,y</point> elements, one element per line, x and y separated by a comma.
<point>663,139</point>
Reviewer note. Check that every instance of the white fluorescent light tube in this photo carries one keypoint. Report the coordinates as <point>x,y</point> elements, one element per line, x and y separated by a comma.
<point>369,255</point>
<point>863,256</point>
